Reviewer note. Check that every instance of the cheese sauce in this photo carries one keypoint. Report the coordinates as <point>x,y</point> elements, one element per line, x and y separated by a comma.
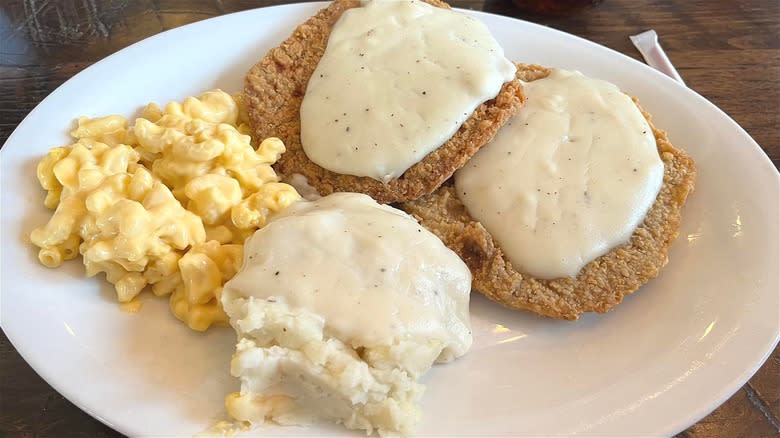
<point>396,81</point>
<point>370,271</point>
<point>569,178</point>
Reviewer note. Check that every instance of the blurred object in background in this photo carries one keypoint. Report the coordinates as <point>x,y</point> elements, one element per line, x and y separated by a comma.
<point>558,8</point>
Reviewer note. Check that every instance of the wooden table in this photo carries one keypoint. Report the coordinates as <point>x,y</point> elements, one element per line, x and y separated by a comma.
<point>727,50</point>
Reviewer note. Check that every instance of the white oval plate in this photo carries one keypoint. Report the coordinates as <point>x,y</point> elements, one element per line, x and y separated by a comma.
<point>662,360</point>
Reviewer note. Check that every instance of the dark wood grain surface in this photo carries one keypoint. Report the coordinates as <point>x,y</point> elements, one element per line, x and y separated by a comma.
<point>727,50</point>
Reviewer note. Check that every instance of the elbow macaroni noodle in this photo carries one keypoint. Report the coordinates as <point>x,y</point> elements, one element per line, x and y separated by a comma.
<point>204,269</point>
<point>165,203</point>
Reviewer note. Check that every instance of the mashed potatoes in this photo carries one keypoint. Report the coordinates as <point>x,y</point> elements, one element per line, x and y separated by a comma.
<point>340,306</point>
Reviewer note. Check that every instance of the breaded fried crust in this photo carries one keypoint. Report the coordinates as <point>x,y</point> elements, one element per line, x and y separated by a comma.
<point>601,284</point>
<point>275,87</point>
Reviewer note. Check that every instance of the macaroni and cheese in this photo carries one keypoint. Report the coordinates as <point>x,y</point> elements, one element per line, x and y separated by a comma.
<point>165,202</point>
